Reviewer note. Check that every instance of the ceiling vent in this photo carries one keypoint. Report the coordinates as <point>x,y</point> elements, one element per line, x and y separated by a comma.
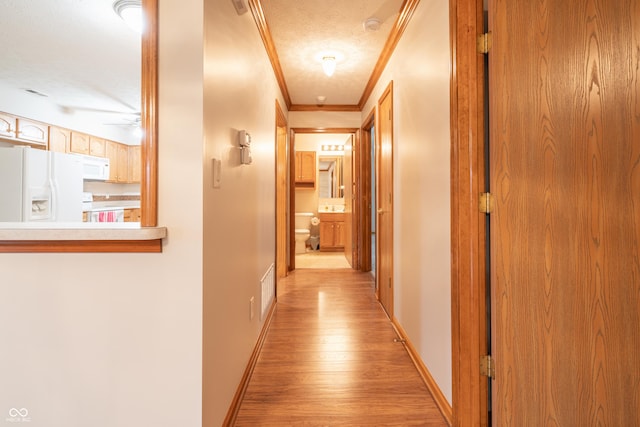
<point>240,6</point>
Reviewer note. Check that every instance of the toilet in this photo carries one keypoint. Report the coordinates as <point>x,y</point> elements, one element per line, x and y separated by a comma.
<point>303,230</point>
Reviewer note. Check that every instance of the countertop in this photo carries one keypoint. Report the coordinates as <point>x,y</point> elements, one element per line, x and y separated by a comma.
<point>112,205</point>
<point>10,231</point>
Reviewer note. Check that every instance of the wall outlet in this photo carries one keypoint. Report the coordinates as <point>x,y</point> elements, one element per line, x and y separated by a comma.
<point>251,308</point>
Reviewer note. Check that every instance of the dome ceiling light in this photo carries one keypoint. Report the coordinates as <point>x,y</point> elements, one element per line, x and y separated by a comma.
<point>329,65</point>
<point>131,13</point>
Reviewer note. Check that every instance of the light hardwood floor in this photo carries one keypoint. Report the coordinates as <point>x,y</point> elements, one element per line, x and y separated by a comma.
<point>329,359</point>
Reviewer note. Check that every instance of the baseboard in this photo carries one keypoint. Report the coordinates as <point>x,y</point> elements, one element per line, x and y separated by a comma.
<point>232,413</point>
<point>438,396</point>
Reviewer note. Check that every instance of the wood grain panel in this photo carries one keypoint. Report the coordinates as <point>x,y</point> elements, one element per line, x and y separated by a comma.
<point>282,217</point>
<point>88,246</point>
<point>384,200</point>
<point>149,116</point>
<point>565,163</point>
<point>329,358</point>
<point>468,307</point>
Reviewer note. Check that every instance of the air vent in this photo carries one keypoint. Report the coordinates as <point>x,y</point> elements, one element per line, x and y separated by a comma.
<point>240,6</point>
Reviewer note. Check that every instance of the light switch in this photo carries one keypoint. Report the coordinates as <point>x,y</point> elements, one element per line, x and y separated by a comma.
<point>217,173</point>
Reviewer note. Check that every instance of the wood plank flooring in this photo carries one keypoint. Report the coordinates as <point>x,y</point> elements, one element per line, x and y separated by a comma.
<point>329,359</point>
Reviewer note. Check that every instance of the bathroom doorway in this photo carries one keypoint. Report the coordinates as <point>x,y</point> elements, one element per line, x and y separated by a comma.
<point>329,198</point>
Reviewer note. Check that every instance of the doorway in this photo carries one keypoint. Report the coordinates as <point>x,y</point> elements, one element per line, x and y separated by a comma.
<point>328,198</point>
<point>368,195</point>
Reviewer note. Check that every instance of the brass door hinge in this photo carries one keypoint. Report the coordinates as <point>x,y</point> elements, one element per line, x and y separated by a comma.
<point>487,367</point>
<point>486,203</point>
<point>484,43</point>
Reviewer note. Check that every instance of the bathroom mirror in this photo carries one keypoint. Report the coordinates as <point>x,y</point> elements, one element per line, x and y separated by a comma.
<point>330,176</point>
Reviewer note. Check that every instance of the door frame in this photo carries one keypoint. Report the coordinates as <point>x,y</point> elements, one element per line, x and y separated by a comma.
<point>292,184</point>
<point>281,235</point>
<point>364,188</point>
<point>468,254</point>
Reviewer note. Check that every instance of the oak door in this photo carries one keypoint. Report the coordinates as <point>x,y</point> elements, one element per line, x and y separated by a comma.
<point>384,221</point>
<point>565,230</point>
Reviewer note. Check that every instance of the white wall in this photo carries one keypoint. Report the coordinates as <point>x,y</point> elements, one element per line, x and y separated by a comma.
<point>420,72</point>
<point>107,340</point>
<point>240,92</point>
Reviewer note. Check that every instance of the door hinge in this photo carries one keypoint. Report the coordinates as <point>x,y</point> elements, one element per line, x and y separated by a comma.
<point>487,366</point>
<point>484,43</point>
<point>486,203</point>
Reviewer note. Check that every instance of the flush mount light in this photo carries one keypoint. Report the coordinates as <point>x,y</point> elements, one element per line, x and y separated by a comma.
<point>372,24</point>
<point>321,99</point>
<point>329,65</point>
<point>131,13</point>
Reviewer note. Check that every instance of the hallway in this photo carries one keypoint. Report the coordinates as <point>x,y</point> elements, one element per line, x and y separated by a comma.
<point>329,358</point>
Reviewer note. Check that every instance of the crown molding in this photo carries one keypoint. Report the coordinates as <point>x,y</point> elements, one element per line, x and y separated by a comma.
<point>265,34</point>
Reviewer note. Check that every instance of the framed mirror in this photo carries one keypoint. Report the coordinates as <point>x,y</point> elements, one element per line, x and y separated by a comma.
<point>330,177</point>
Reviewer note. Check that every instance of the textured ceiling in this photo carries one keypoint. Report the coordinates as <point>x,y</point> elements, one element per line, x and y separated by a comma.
<point>305,30</point>
<point>50,46</point>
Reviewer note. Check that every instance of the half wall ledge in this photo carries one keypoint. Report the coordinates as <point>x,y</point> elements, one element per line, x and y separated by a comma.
<point>83,237</point>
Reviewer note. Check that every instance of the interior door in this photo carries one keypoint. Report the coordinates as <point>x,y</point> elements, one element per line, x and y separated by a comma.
<point>565,229</point>
<point>281,201</point>
<point>347,175</point>
<point>384,155</point>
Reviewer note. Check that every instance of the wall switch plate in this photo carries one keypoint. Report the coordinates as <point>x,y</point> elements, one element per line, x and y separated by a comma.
<point>217,173</point>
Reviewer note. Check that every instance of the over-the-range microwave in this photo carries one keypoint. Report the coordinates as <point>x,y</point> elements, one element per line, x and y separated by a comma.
<point>95,168</point>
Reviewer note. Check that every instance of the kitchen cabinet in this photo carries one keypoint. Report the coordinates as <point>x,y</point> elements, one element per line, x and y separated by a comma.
<point>135,164</point>
<point>305,170</point>
<point>21,130</point>
<point>132,215</point>
<point>97,146</point>
<point>118,155</point>
<point>332,231</point>
<point>79,143</point>
<point>59,139</point>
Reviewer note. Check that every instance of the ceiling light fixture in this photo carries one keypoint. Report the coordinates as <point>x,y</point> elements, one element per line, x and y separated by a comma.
<point>131,13</point>
<point>332,147</point>
<point>321,99</point>
<point>329,65</point>
<point>372,24</point>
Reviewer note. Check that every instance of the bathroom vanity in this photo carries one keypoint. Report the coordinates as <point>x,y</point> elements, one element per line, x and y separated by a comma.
<point>331,231</point>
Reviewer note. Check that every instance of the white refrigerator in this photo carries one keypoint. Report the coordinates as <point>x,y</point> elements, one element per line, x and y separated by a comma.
<point>39,185</point>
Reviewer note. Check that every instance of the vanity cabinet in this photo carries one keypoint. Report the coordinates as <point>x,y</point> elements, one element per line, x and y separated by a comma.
<point>305,169</point>
<point>332,231</point>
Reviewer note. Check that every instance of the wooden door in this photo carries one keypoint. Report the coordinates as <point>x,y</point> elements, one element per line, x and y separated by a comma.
<point>565,229</point>
<point>345,236</point>
<point>384,155</point>
<point>281,199</point>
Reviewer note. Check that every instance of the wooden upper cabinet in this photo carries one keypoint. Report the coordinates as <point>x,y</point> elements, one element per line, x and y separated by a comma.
<point>23,130</point>
<point>97,146</point>
<point>305,169</point>
<point>8,125</point>
<point>123,163</point>
<point>59,139</point>
<point>32,131</point>
<point>80,143</point>
<point>135,164</point>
